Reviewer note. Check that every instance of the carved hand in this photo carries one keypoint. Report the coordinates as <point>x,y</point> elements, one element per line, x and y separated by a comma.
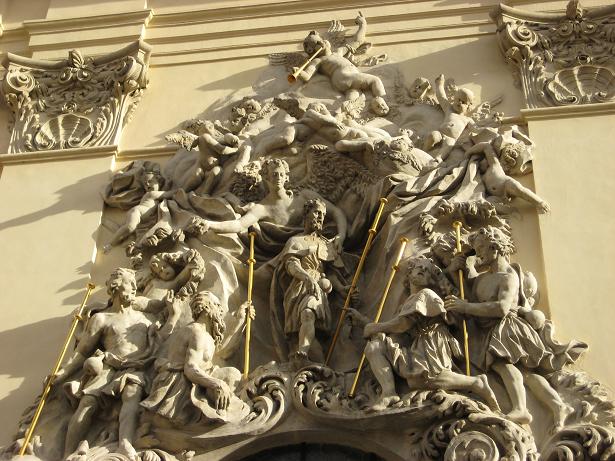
<point>370,330</point>
<point>457,263</point>
<point>360,20</point>
<point>440,79</point>
<point>222,395</point>
<point>247,308</point>
<point>454,304</point>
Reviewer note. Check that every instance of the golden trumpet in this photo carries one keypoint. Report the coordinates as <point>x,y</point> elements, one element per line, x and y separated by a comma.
<point>76,319</point>
<point>292,78</point>
<point>246,350</point>
<point>355,279</point>
<point>394,268</point>
<point>466,341</point>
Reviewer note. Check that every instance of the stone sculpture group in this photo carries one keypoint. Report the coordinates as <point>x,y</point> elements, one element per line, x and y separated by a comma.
<point>154,372</point>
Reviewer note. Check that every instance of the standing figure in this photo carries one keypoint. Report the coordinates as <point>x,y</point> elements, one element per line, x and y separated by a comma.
<point>152,183</point>
<point>188,387</point>
<point>416,343</point>
<point>308,270</point>
<point>504,341</point>
<point>456,119</point>
<point>114,349</point>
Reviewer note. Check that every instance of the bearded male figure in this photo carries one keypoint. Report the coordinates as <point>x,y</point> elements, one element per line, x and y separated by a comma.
<point>308,269</point>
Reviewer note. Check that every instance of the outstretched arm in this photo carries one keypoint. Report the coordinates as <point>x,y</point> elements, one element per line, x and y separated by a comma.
<point>441,94</point>
<point>513,188</point>
<point>310,70</point>
<point>506,300</point>
<point>399,324</point>
<point>237,225</point>
<point>233,336</point>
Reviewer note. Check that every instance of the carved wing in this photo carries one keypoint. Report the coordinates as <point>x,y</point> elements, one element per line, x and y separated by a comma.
<point>288,60</point>
<point>182,137</point>
<point>484,111</point>
<point>336,34</point>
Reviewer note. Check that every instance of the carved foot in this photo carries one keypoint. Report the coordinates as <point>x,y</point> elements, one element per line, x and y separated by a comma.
<point>385,402</point>
<point>483,390</point>
<point>560,416</point>
<point>520,416</point>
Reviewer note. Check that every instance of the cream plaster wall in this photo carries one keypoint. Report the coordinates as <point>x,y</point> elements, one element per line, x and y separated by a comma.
<point>205,51</point>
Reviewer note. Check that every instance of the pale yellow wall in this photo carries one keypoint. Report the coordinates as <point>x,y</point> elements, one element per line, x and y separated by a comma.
<point>206,50</point>
<point>574,170</point>
<point>48,222</point>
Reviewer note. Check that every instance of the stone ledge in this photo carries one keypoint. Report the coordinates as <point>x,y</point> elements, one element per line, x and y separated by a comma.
<point>58,155</point>
<point>581,110</point>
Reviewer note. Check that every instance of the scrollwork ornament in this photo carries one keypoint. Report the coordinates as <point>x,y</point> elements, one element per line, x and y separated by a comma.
<point>472,446</point>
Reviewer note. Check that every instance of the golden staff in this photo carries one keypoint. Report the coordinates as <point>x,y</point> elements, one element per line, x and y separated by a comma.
<point>466,347</point>
<point>355,278</point>
<point>292,78</point>
<point>76,319</point>
<point>394,268</point>
<point>246,351</point>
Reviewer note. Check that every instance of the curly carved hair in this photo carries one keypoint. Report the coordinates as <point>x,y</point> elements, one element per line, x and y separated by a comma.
<point>270,164</point>
<point>502,241</point>
<point>118,276</point>
<point>313,204</point>
<point>428,264</point>
<point>208,303</point>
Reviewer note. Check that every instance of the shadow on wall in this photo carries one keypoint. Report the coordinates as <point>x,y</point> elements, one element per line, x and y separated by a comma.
<point>69,198</point>
<point>39,344</point>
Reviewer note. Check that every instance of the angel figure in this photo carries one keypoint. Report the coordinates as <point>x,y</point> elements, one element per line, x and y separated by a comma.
<point>245,112</point>
<point>416,343</point>
<point>420,91</point>
<point>152,183</point>
<point>500,187</point>
<point>188,387</point>
<point>216,146</point>
<point>457,117</point>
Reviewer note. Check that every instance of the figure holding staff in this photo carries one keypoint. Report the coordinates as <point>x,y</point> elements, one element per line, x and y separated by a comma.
<point>466,348</point>
<point>246,351</point>
<point>416,343</point>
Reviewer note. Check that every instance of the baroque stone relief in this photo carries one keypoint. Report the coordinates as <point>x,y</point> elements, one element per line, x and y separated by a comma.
<point>560,59</point>
<point>78,102</point>
<point>156,371</point>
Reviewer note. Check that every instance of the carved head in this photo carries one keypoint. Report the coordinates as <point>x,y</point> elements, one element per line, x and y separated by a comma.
<point>463,101</point>
<point>314,212</point>
<point>421,272</point>
<point>251,105</point>
<point>444,248</point>
<point>491,242</point>
<point>379,106</point>
<point>162,265</point>
<point>419,88</point>
<point>207,308</point>
<point>275,173</point>
<point>515,157</point>
<point>319,107</point>
<point>313,41</point>
<point>152,180</point>
<point>122,283</point>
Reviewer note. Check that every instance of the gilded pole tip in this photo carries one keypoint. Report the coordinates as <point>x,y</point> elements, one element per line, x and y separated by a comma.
<point>384,200</point>
<point>404,240</point>
<point>91,286</point>
<point>457,224</point>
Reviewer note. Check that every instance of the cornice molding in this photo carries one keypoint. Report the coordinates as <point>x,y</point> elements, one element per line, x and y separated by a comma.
<point>58,155</point>
<point>582,110</point>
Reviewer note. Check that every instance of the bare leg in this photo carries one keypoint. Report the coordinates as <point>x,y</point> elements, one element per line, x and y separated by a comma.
<point>275,140</point>
<point>513,188</point>
<point>307,332</point>
<point>131,396</point>
<point>375,85</point>
<point>209,182</point>
<point>354,145</point>
<point>547,395</point>
<point>513,381</point>
<point>80,423</point>
<point>478,384</point>
<point>375,355</point>
<point>133,218</point>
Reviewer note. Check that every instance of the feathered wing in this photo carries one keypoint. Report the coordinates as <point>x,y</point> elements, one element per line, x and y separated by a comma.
<point>484,111</point>
<point>293,104</point>
<point>336,34</point>
<point>287,59</point>
<point>182,137</point>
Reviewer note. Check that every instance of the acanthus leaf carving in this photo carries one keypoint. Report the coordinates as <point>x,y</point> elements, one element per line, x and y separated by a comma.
<point>78,102</point>
<point>560,59</point>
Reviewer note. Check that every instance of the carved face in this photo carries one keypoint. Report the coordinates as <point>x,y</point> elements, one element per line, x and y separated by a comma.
<point>123,285</point>
<point>463,101</point>
<point>420,274</point>
<point>379,106</point>
<point>161,269</point>
<point>312,42</point>
<point>419,87</point>
<point>276,177</point>
<point>486,250</point>
<point>399,145</point>
<point>151,182</point>
<point>315,217</point>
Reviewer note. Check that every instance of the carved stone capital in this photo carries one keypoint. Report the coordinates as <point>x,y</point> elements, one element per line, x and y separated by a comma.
<point>560,59</point>
<point>78,102</point>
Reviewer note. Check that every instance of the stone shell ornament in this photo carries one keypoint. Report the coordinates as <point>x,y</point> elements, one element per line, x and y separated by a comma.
<point>582,85</point>
<point>64,131</point>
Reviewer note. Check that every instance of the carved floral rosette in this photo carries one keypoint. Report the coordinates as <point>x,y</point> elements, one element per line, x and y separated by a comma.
<point>78,102</point>
<point>560,59</point>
